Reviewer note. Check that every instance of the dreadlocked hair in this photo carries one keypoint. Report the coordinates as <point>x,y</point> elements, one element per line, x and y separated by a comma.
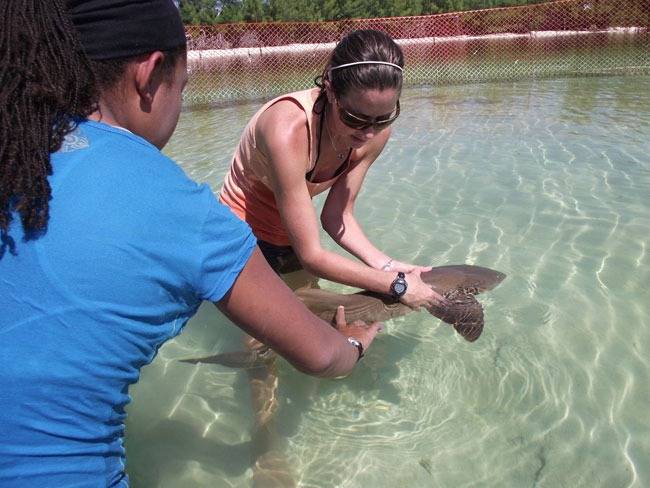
<point>46,85</point>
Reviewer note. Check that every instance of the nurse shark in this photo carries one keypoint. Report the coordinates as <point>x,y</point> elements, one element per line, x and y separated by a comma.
<point>457,283</point>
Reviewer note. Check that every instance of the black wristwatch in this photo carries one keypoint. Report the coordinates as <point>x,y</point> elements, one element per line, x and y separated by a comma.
<point>399,285</point>
<point>358,345</point>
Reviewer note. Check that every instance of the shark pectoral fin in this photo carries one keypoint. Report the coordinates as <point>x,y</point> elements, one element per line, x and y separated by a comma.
<point>464,313</point>
<point>458,284</point>
<point>235,359</point>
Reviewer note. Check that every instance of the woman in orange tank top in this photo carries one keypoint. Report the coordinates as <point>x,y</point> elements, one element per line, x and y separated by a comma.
<point>304,143</point>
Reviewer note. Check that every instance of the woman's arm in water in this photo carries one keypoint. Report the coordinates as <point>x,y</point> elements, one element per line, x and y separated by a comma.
<point>282,135</point>
<point>262,305</point>
<point>340,223</point>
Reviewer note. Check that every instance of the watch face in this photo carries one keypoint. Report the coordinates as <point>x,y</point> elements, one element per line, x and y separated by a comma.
<point>399,288</point>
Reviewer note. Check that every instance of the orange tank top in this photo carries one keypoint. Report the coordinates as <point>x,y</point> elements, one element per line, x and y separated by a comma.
<point>246,189</point>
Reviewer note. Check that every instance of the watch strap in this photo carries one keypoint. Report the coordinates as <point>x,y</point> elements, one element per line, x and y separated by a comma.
<point>356,343</point>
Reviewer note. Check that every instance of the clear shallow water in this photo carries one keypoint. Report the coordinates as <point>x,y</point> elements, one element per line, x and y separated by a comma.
<point>547,181</point>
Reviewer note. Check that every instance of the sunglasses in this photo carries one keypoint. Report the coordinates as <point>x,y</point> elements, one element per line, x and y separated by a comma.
<point>360,123</point>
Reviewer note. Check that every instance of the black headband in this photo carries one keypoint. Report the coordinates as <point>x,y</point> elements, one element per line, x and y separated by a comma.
<point>111,29</point>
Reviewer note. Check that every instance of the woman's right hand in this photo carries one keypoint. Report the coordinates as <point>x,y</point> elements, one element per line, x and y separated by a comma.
<point>358,329</point>
<point>419,294</point>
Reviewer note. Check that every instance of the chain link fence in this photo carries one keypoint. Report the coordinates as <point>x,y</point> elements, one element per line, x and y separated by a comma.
<point>230,62</point>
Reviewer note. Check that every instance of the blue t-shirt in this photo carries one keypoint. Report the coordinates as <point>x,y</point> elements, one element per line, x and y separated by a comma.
<point>132,248</point>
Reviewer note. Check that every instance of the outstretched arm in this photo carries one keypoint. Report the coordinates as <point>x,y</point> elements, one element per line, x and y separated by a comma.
<point>340,223</point>
<point>282,135</point>
<point>263,306</point>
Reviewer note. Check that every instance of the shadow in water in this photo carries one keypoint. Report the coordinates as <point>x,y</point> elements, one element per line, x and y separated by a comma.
<point>191,447</point>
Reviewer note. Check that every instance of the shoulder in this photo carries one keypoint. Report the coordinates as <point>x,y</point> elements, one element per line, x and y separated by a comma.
<point>283,125</point>
<point>290,109</point>
<point>100,156</point>
<point>107,141</point>
<point>284,110</point>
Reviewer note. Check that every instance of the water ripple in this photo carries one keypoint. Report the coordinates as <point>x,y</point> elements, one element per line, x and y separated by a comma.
<point>547,181</point>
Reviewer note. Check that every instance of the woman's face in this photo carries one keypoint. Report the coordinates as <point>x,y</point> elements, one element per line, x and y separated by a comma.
<point>372,105</point>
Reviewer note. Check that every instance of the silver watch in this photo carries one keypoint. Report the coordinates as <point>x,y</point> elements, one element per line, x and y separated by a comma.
<point>399,285</point>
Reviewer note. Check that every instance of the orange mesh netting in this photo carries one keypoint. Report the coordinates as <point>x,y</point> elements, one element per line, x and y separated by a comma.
<point>563,38</point>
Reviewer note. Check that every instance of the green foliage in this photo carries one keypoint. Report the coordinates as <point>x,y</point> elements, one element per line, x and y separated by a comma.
<point>591,13</point>
<point>210,12</point>
<point>199,12</point>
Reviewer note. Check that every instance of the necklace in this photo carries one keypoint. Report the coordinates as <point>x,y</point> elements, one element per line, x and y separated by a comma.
<point>339,155</point>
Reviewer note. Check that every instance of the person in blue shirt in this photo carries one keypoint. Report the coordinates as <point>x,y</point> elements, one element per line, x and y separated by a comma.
<point>107,248</point>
